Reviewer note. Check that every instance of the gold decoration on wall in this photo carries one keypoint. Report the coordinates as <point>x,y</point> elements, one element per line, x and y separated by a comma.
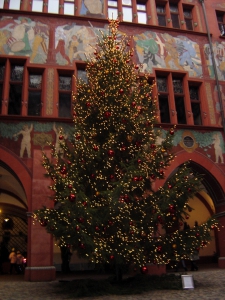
<point>42,139</point>
<point>50,92</point>
<point>188,142</point>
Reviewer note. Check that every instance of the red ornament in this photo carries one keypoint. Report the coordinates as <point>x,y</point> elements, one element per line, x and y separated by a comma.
<point>88,104</point>
<point>84,203</point>
<point>111,153</point>
<point>77,228</point>
<point>124,121</point>
<point>63,170</point>
<point>136,67</point>
<point>43,222</point>
<point>81,220</point>
<point>169,186</point>
<point>121,91</point>
<point>197,234</point>
<point>171,131</point>
<point>78,136</point>
<point>70,186</point>
<point>135,178</point>
<point>72,197</point>
<point>117,72</point>
<point>152,176</point>
<point>161,173</point>
<point>111,177</point>
<point>133,104</point>
<point>126,198</point>
<point>111,257</point>
<point>95,148</point>
<point>82,246</point>
<point>144,270</point>
<point>152,146</point>
<point>189,189</point>
<point>138,143</point>
<point>61,137</point>
<point>159,249</point>
<point>92,176</point>
<point>107,114</point>
<point>139,161</point>
<point>97,228</point>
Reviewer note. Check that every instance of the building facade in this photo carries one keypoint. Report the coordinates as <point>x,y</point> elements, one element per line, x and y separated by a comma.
<point>44,45</point>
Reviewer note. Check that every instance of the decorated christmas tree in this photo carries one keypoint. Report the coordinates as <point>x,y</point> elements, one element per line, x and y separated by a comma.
<point>103,180</point>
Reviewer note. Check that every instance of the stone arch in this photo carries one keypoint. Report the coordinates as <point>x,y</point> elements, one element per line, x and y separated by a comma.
<point>18,170</point>
<point>213,175</point>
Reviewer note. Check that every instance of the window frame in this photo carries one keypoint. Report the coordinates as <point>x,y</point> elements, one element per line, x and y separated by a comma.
<point>171,95</point>
<point>64,73</point>
<point>221,23</point>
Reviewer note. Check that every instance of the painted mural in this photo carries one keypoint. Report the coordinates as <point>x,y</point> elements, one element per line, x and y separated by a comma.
<point>73,42</point>
<point>25,135</point>
<point>93,8</point>
<point>219,55</point>
<point>161,50</point>
<point>24,37</point>
<point>22,137</point>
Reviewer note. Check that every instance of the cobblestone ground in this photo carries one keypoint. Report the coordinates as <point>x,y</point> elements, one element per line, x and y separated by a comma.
<point>209,284</point>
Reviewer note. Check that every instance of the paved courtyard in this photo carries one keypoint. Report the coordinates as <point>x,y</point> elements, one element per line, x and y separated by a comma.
<point>209,284</point>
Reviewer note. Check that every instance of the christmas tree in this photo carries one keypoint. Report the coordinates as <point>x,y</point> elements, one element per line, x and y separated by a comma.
<point>106,206</point>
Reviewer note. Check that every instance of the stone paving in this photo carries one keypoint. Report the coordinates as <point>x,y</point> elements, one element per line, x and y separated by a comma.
<point>209,283</point>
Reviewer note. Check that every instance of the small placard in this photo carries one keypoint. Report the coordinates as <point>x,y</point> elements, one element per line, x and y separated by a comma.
<point>187,281</point>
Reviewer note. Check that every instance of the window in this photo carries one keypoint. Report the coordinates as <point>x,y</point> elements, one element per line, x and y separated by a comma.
<point>15,89</point>
<point>188,18</point>
<point>179,100</point>
<point>69,7</point>
<point>195,104</point>
<point>112,10</point>
<point>221,22</point>
<point>161,15</point>
<point>14,4</point>
<point>163,99</point>
<point>2,72</point>
<point>127,10</point>
<point>53,6</point>
<point>34,95</point>
<point>141,12</point>
<point>37,5</point>
<point>65,95</point>
<point>174,15</point>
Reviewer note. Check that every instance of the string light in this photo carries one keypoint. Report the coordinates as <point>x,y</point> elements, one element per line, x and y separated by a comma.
<point>104,203</point>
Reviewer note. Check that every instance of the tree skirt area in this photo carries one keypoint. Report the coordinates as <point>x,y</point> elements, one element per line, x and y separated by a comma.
<point>128,286</point>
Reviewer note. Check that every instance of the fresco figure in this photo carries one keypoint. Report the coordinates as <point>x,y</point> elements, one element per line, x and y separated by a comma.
<point>172,55</point>
<point>26,140</point>
<point>92,7</point>
<point>58,141</point>
<point>187,54</point>
<point>19,40</point>
<point>39,41</point>
<point>73,44</point>
<point>218,148</point>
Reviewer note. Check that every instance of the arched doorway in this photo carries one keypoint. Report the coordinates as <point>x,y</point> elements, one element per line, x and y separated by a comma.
<point>13,218</point>
<point>206,204</point>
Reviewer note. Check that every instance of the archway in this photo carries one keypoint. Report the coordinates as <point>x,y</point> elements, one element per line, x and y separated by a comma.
<point>13,206</point>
